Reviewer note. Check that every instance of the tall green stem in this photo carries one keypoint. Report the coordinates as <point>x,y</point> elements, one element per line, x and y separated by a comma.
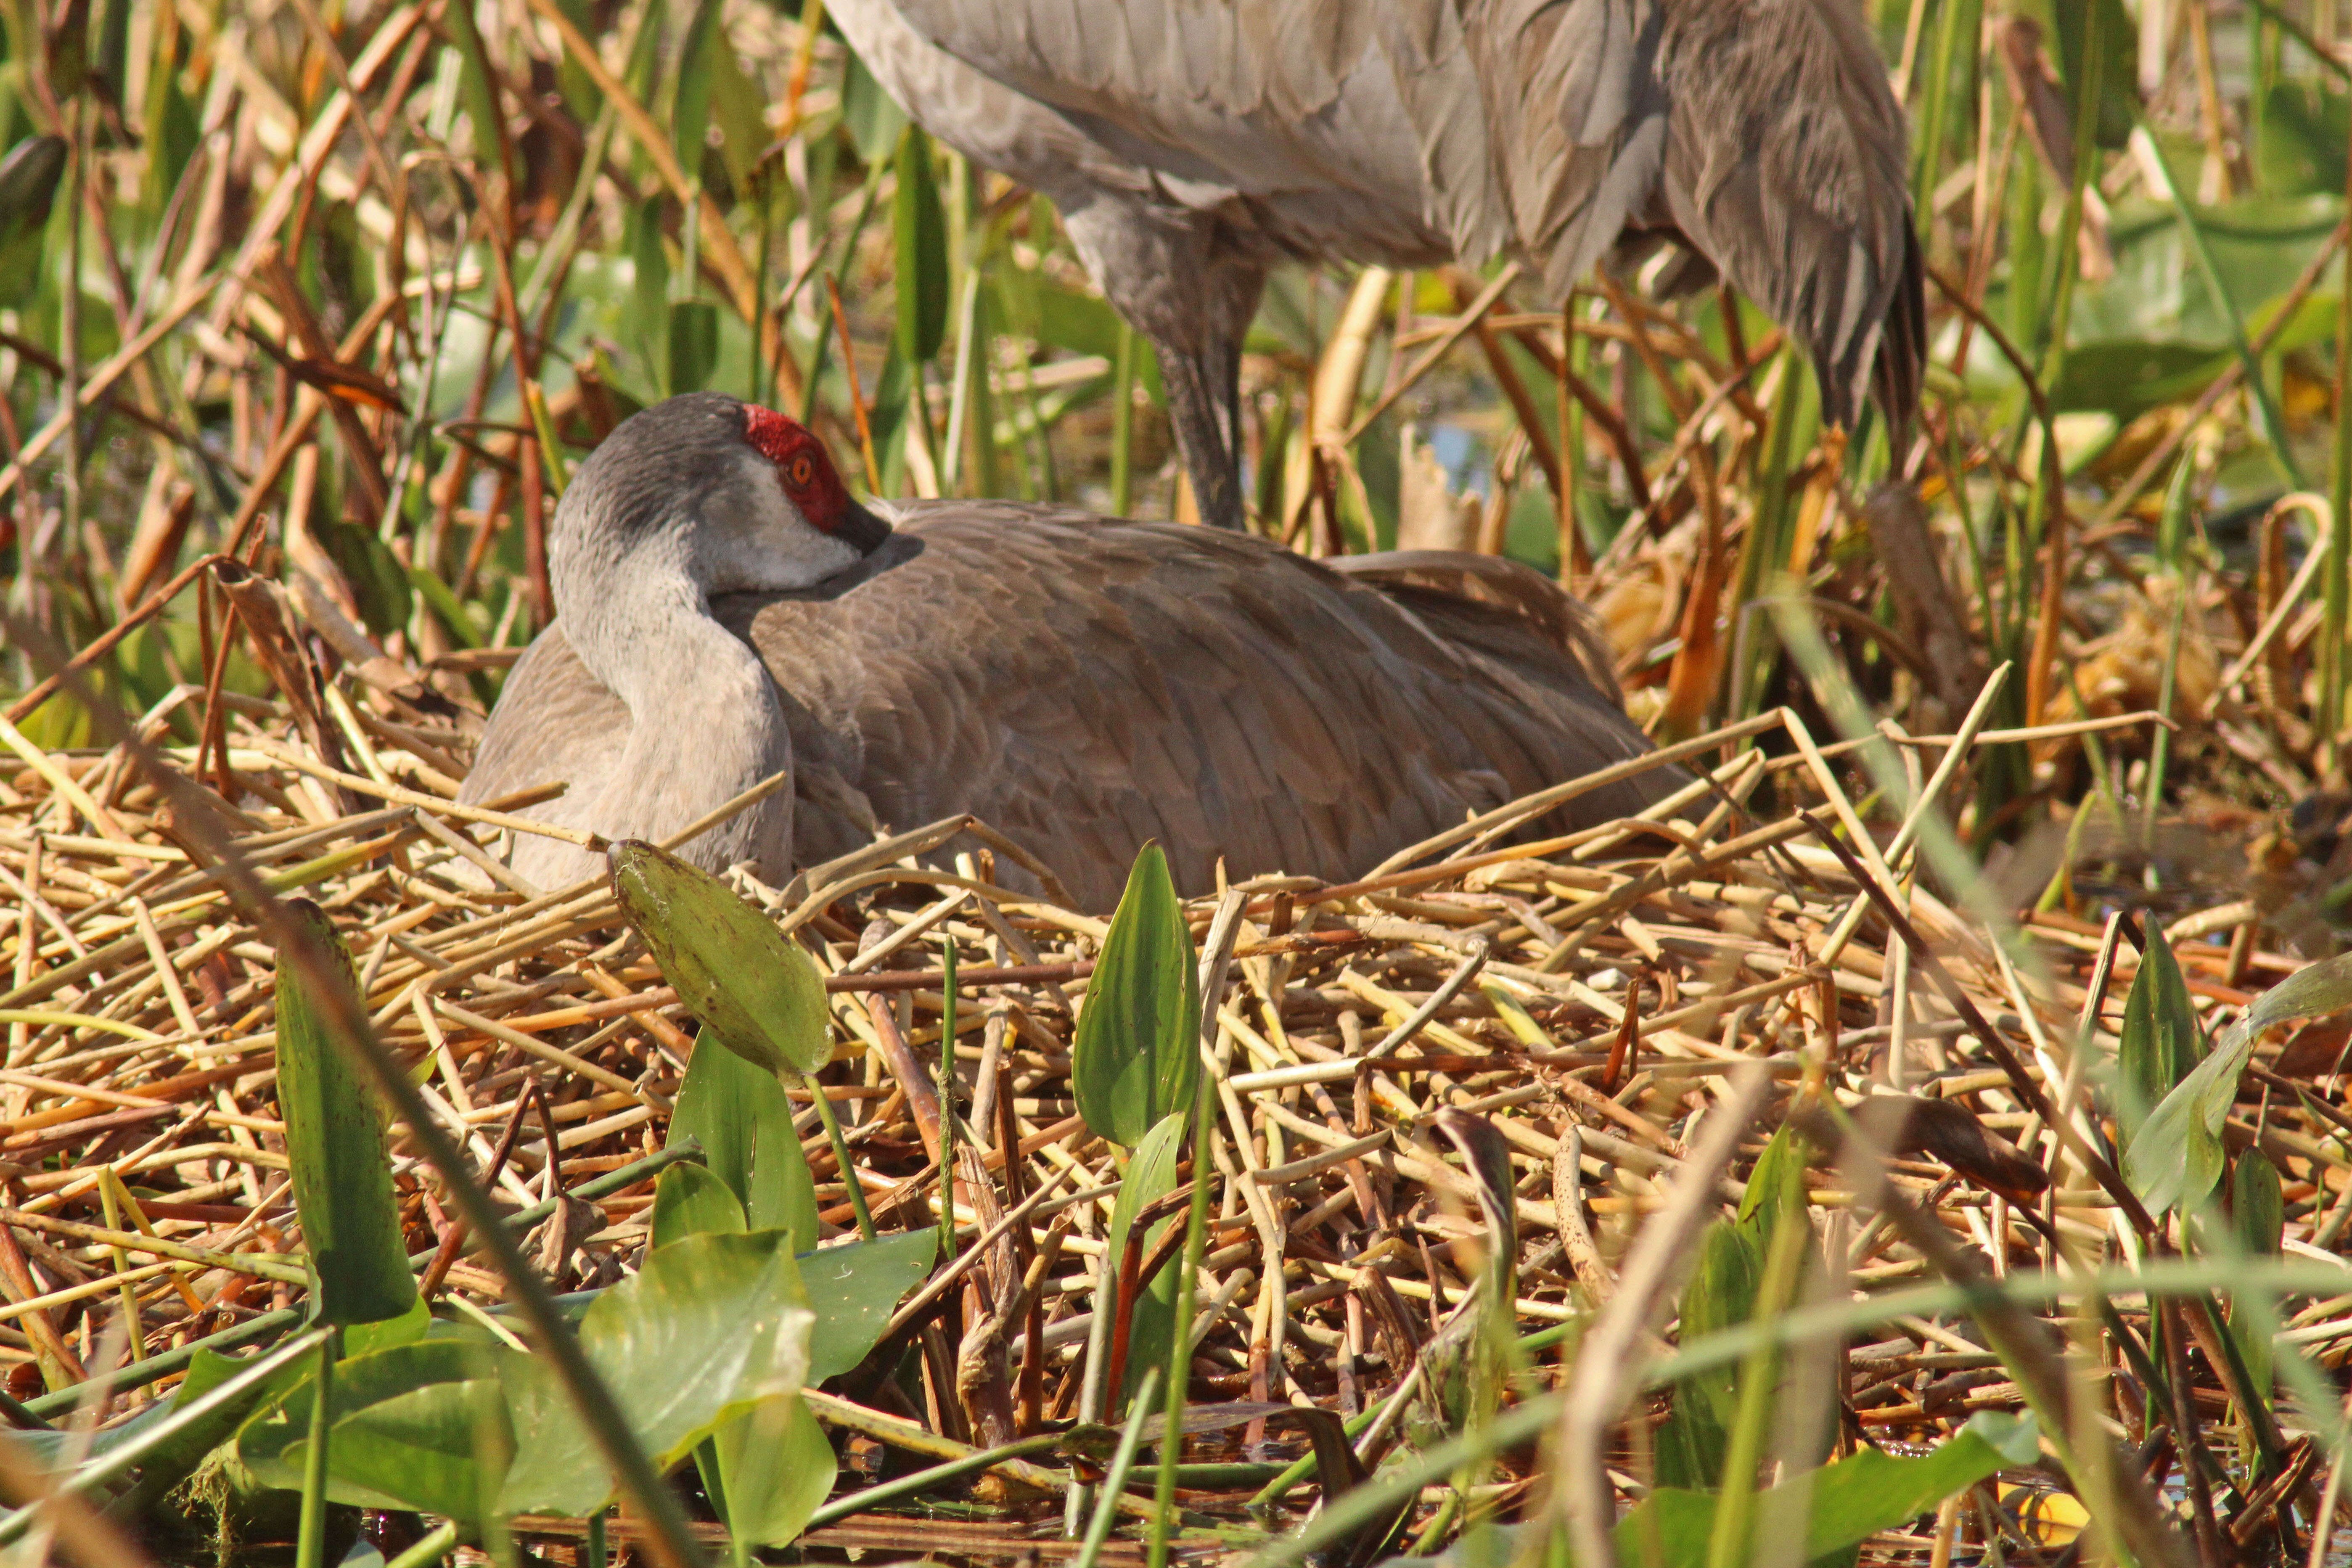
<point>841,1156</point>
<point>1179,1338</point>
<point>2338,571</point>
<point>2089,84</point>
<point>310,1538</point>
<point>2268,413</point>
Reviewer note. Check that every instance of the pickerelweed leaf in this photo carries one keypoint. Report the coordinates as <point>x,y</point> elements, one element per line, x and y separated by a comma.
<point>419,1426</point>
<point>776,1467</point>
<point>690,1201</point>
<point>1776,1188</point>
<point>690,107</point>
<point>1150,1176</point>
<point>2312,991</point>
<point>709,1327</point>
<point>335,1142</point>
<point>2160,1042</point>
<point>1721,1294</point>
<point>2257,1204</point>
<point>743,1120</point>
<point>2258,1218</point>
<point>29,175</point>
<point>922,232</point>
<point>767,1468</point>
<point>2177,1157</point>
<point>1137,1052</point>
<point>733,969</point>
<point>693,344</point>
<point>475,90</point>
<point>1838,1506</point>
<point>869,113</point>
<point>855,1288</point>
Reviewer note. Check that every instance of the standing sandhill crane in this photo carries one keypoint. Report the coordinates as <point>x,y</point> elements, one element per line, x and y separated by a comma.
<point>1191,145</point>
<point>725,611</point>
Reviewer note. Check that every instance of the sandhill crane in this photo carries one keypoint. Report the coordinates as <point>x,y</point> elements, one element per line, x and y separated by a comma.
<point>1191,145</point>
<point>725,611</point>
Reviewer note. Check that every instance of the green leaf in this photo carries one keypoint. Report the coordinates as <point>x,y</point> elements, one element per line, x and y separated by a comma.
<point>2305,130</point>
<point>921,230</point>
<point>855,1288</point>
<point>690,110</point>
<point>1776,1188</point>
<point>1840,1505</point>
<point>2160,1040</point>
<point>734,971</point>
<point>2312,991</point>
<point>581,94</point>
<point>2065,25</point>
<point>2177,1156</point>
<point>739,108</point>
<point>475,87</point>
<point>894,390</point>
<point>335,1145</point>
<point>776,1467</point>
<point>2128,377</point>
<point>711,1326</point>
<point>28,184</point>
<point>743,1120</point>
<point>378,580</point>
<point>442,600</point>
<point>693,344</point>
<point>1150,1176</point>
<point>871,115</point>
<point>2257,1206</point>
<point>1137,1052</point>
<point>2258,1216</point>
<point>420,1425</point>
<point>769,1468</point>
<point>646,324</point>
<point>690,1201</point>
<point>1721,1295</point>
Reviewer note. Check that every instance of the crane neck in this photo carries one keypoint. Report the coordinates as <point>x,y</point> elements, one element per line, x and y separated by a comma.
<point>705,722</point>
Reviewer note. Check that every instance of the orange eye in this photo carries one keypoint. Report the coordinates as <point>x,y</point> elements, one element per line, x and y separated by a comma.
<point>801,472</point>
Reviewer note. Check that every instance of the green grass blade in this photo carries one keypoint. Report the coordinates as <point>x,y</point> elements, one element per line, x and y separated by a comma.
<point>311,1540</point>
<point>1130,1438</point>
<point>2269,416</point>
<point>335,1142</point>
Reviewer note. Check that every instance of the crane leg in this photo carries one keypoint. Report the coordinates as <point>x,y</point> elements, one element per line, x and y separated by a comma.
<point>1190,283</point>
<point>1204,406</point>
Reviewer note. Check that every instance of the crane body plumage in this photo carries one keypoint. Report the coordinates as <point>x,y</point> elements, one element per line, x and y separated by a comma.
<point>1084,685</point>
<point>1191,145</point>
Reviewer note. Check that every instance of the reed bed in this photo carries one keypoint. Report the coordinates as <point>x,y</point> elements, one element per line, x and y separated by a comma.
<point>1595,996</point>
<point>307,310</point>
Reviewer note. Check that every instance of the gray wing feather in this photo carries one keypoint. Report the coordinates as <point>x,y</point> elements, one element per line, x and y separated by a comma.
<point>1088,685</point>
<point>1786,166</point>
<point>1762,132</point>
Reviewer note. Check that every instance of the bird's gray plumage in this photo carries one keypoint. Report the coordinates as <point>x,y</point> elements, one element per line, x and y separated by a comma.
<point>1191,145</point>
<point>1085,686</point>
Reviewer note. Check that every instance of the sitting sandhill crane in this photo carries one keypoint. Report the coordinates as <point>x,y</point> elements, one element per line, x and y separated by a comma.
<point>726,611</point>
<point>1191,145</point>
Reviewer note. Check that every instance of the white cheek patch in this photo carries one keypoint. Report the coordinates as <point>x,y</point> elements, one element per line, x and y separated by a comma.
<point>752,539</point>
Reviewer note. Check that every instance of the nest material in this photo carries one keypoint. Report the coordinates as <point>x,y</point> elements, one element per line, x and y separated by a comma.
<point>1624,976</point>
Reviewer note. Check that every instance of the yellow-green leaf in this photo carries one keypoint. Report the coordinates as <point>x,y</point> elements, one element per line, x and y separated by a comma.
<point>335,1140</point>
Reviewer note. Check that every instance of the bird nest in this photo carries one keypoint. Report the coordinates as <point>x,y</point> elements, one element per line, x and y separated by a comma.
<point>1596,997</point>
